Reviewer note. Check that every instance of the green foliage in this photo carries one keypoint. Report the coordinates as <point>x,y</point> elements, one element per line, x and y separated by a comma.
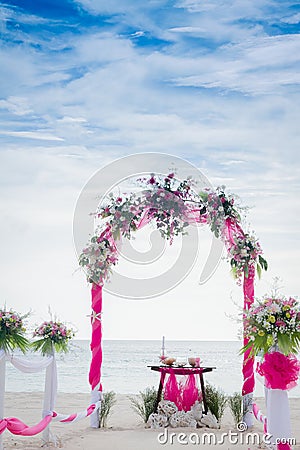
<point>12,331</point>
<point>9,342</point>
<point>145,404</point>
<point>53,335</point>
<point>216,401</point>
<point>46,346</point>
<point>235,403</point>
<point>108,401</point>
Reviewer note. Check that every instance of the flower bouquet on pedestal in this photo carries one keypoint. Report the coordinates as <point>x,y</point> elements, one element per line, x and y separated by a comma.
<point>12,331</point>
<point>272,329</point>
<point>273,323</point>
<point>52,335</point>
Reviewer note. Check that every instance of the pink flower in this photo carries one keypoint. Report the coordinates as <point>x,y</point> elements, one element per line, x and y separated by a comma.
<point>152,180</point>
<point>280,323</point>
<point>171,175</point>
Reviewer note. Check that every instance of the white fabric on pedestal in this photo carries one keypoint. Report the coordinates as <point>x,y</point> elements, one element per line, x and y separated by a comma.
<point>96,396</point>
<point>248,418</point>
<point>278,414</point>
<point>50,397</point>
<point>27,366</point>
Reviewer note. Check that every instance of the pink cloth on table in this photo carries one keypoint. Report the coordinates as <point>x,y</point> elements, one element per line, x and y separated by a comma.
<point>190,393</point>
<point>183,394</point>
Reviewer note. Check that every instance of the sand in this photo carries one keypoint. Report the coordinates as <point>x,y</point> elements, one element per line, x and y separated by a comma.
<point>125,430</point>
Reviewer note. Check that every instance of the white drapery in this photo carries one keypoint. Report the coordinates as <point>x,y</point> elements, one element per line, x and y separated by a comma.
<point>32,366</point>
<point>278,414</point>
<point>96,396</point>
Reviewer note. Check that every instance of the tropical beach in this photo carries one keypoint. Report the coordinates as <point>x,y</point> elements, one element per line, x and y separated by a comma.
<point>125,428</point>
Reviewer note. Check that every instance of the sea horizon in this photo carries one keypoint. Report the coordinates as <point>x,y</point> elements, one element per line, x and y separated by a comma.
<point>125,366</point>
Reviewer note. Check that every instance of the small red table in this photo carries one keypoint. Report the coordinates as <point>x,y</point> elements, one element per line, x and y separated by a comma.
<point>181,371</point>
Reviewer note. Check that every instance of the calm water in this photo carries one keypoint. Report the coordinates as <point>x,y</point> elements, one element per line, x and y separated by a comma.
<point>125,368</point>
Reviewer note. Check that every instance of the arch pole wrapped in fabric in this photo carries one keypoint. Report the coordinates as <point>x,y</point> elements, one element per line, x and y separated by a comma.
<point>96,349</point>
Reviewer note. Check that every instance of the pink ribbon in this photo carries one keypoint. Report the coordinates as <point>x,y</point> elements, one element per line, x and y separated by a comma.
<point>259,416</point>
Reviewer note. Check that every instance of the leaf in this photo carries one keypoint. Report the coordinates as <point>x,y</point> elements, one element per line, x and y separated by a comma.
<point>258,269</point>
<point>263,262</point>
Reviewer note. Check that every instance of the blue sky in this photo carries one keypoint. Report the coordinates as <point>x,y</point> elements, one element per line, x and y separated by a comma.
<point>85,82</point>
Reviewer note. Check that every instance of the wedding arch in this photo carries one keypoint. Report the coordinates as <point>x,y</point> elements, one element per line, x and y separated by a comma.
<point>171,205</point>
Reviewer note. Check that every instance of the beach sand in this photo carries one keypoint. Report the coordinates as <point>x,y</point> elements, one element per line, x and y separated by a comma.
<point>125,430</point>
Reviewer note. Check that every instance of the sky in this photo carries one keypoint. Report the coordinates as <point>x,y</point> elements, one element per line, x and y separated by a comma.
<point>83,83</point>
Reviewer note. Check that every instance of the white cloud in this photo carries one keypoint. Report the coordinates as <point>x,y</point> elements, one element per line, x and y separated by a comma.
<point>40,135</point>
<point>17,105</point>
<point>70,106</point>
<point>292,20</point>
<point>260,66</point>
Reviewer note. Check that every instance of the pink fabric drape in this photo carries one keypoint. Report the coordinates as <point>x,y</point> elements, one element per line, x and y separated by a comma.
<point>284,446</point>
<point>280,371</point>
<point>172,391</point>
<point>232,229</point>
<point>183,393</point>
<point>18,427</point>
<point>189,393</point>
<point>248,362</point>
<point>96,347</point>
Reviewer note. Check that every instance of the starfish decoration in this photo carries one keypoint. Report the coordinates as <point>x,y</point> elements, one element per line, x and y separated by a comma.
<point>95,316</point>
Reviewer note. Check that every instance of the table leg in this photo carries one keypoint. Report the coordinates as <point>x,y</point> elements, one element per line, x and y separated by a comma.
<point>203,393</point>
<point>160,388</point>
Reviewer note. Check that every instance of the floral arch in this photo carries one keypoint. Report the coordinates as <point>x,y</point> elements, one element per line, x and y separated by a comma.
<point>171,205</point>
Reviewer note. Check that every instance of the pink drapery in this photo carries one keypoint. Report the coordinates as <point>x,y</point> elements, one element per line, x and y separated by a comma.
<point>248,362</point>
<point>96,347</point>
<point>280,371</point>
<point>17,427</point>
<point>183,393</point>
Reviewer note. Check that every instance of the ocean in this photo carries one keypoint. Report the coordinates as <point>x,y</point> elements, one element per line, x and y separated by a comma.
<point>125,370</point>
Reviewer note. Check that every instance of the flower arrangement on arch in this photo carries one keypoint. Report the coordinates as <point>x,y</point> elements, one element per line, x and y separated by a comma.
<point>168,201</point>
<point>53,335</point>
<point>172,204</point>
<point>97,259</point>
<point>12,331</point>
<point>244,253</point>
<point>272,322</point>
<point>218,206</point>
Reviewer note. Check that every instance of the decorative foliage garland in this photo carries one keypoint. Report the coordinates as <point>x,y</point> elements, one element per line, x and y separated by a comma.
<point>12,331</point>
<point>52,335</point>
<point>273,322</point>
<point>172,205</point>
